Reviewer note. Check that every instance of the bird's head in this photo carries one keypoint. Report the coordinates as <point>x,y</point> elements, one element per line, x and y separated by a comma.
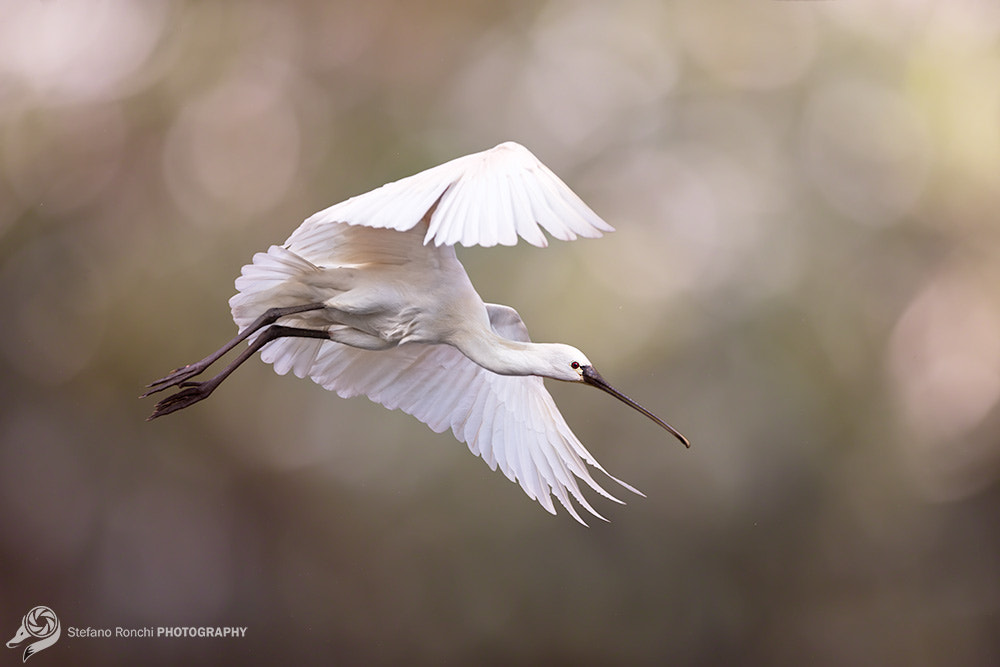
<point>566,363</point>
<point>571,365</point>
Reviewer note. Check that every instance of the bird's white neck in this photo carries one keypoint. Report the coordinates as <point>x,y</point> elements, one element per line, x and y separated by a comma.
<point>504,356</point>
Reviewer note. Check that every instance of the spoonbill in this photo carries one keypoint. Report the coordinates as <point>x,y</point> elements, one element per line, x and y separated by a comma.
<point>368,297</point>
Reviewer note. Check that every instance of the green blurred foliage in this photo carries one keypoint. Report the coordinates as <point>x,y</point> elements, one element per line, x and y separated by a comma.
<point>804,280</point>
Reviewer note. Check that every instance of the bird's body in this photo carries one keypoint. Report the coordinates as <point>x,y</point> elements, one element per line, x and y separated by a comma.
<point>368,297</point>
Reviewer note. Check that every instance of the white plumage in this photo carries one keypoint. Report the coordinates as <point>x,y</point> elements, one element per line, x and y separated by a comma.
<point>367,297</point>
<point>482,199</point>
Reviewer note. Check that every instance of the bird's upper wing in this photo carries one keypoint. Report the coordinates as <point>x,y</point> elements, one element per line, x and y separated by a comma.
<point>480,199</point>
<point>511,422</point>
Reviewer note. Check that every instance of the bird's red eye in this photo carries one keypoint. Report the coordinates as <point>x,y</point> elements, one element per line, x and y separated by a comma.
<point>574,365</point>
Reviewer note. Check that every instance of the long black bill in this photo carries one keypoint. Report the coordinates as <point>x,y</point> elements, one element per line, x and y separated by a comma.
<point>593,378</point>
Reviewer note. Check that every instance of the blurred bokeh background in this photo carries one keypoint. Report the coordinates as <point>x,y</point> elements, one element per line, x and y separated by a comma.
<point>805,280</point>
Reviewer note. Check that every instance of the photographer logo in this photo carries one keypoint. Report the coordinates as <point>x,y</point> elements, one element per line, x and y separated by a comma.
<point>40,627</point>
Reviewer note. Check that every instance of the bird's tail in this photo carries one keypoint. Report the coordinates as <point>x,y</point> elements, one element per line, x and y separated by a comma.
<point>280,278</point>
<point>275,279</point>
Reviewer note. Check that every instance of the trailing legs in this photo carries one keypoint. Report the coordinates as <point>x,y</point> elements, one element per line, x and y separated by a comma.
<point>183,373</point>
<point>192,392</point>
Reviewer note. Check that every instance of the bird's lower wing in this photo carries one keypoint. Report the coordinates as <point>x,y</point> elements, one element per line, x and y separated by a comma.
<point>511,422</point>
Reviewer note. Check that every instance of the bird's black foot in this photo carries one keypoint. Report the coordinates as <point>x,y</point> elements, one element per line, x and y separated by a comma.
<point>175,378</point>
<point>178,377</point>
<point>191,393</point>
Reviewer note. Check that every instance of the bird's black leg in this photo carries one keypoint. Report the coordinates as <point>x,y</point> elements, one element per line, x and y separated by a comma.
<point>183,373</point>
<point>193,392</point>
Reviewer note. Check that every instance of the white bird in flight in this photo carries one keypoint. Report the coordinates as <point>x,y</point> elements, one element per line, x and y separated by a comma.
<point>368,297</point>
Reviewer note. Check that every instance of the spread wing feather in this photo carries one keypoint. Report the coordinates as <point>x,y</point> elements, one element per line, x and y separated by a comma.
<point>511,422</point>
<point>480,199</point>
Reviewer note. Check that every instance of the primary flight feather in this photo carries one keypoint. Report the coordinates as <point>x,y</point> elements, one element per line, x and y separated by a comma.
<point>367,297</point>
